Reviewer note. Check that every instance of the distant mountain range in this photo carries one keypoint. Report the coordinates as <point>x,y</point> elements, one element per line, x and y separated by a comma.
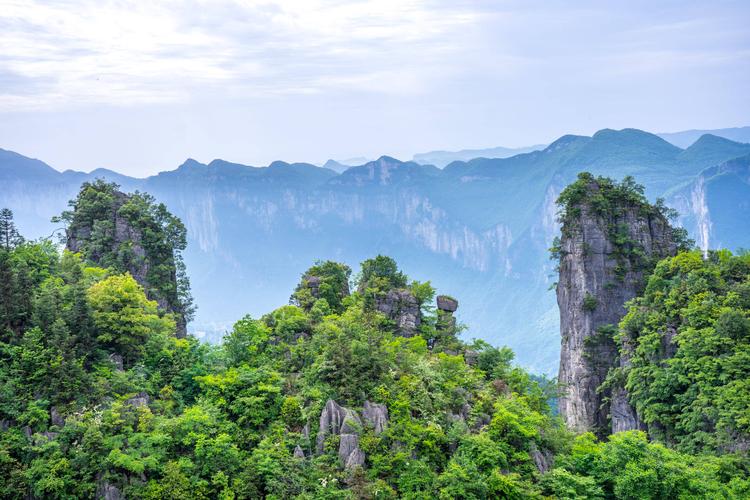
<point>687,137</point>
<point>442,158</point>
<point>480,229</point>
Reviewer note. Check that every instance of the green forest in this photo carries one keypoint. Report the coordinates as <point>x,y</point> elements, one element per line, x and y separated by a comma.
<point>331,395</point>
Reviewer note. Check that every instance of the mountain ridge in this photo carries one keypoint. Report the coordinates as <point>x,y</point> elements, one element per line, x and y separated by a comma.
<point>479,229</point>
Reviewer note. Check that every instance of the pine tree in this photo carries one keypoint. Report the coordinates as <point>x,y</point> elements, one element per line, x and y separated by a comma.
<point>9,236</point>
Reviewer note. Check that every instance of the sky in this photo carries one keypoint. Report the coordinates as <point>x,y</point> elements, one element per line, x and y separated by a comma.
<point>139,86</point>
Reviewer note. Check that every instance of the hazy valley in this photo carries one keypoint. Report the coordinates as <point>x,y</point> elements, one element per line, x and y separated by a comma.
<point>478,229</point>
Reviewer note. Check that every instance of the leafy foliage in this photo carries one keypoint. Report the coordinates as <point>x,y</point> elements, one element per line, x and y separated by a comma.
<point>690,337</point>
<point>129,233</point>
<point>97,395</point>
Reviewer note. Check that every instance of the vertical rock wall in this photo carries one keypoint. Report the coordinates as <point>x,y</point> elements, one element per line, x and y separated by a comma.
<point>604,260</point>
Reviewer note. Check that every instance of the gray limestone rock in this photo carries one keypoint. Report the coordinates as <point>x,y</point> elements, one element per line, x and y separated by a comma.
<point>595,282</point>
<point>108,491</point>
<point>355,459</point>
<point>376,415</point>
<point>447,304</point>
<point>55,417</point>
<point>623,415</point>
<point>139,400</point>
<point>116,360</point>
<point>299,452</point>
<point>402,308</point>
<point>347,444</point>
<point>313,283</point>
<point>543,459</point>
<point>345,423</point>
<point>471,357</point>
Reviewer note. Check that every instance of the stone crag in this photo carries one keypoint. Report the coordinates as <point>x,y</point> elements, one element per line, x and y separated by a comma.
<point>605,257</point>
<point>401,306</point>
<point>109,237</point>
<point>336,420</point>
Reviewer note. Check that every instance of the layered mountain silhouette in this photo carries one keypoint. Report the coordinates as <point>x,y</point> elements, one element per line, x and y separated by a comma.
<point>480,229</point>
<point>685,138</point>
<point>442,158</point>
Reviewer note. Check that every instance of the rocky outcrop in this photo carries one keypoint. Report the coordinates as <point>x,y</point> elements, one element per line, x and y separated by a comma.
<point>56,418</point>
<point>401,307</point>
<point>471,357</point>
<point>109,238</point>
<point>543,459</point>
<point>446,321</point>
<point>622,414</point>
<point>336,420</point>
<point>117,361</point>
<point>376,416</point>
<point>604,259</point>
<point>108,491</point>
<point>313,284</point>
<point>140,400</point>
<point>446,304</point>
<point>346,424</point>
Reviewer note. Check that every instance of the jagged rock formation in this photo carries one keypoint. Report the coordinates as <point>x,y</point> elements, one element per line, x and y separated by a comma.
<point>131,234</point>
<point>376,416</point>
<point>108,491</point>
<point>606,250</point>
<point>401,306</point>
<point>345,423</point>
<point>313,283</point>
<point>543,459</point>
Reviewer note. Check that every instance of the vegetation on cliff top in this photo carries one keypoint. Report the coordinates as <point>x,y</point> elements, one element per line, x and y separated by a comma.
<point>153,239</point>
<point>609,200</point>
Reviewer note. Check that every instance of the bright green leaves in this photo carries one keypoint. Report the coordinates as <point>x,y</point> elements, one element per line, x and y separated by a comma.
<point>124,317</point>
<point>691,337</point>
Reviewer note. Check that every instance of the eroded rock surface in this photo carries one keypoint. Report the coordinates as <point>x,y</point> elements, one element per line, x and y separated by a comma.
<point>376,415</point>
<point>402,308</point>
<point>597,276</point>
<point>345,423</point>
<point>115,234</point>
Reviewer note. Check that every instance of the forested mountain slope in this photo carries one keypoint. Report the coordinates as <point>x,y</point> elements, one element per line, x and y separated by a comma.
<point>360,387</point>
<point>478,229</point>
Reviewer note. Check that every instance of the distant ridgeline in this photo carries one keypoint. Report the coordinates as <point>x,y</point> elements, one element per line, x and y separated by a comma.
<point>479,228</point>
<point>360,387</point>
<point>652,344</point>
<point>131,233</point>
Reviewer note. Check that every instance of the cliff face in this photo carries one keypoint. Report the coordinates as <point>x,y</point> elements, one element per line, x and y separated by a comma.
<point>604,258</point>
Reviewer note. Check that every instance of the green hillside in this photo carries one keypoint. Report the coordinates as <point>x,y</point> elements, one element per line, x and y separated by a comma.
<point>323,398</point>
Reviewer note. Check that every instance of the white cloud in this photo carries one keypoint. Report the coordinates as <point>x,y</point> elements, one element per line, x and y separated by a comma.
<point>127,52</point>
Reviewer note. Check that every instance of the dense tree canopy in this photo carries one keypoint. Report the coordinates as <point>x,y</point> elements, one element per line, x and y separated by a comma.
<point>132,233</point>
<point>690,339</point>
<point>98,396</point>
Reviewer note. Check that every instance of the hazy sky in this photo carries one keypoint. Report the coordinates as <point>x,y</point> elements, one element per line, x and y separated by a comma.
<point>138,86</point>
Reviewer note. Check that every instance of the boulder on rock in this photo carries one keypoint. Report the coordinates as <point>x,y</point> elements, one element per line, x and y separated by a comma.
<point>447,304</point>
